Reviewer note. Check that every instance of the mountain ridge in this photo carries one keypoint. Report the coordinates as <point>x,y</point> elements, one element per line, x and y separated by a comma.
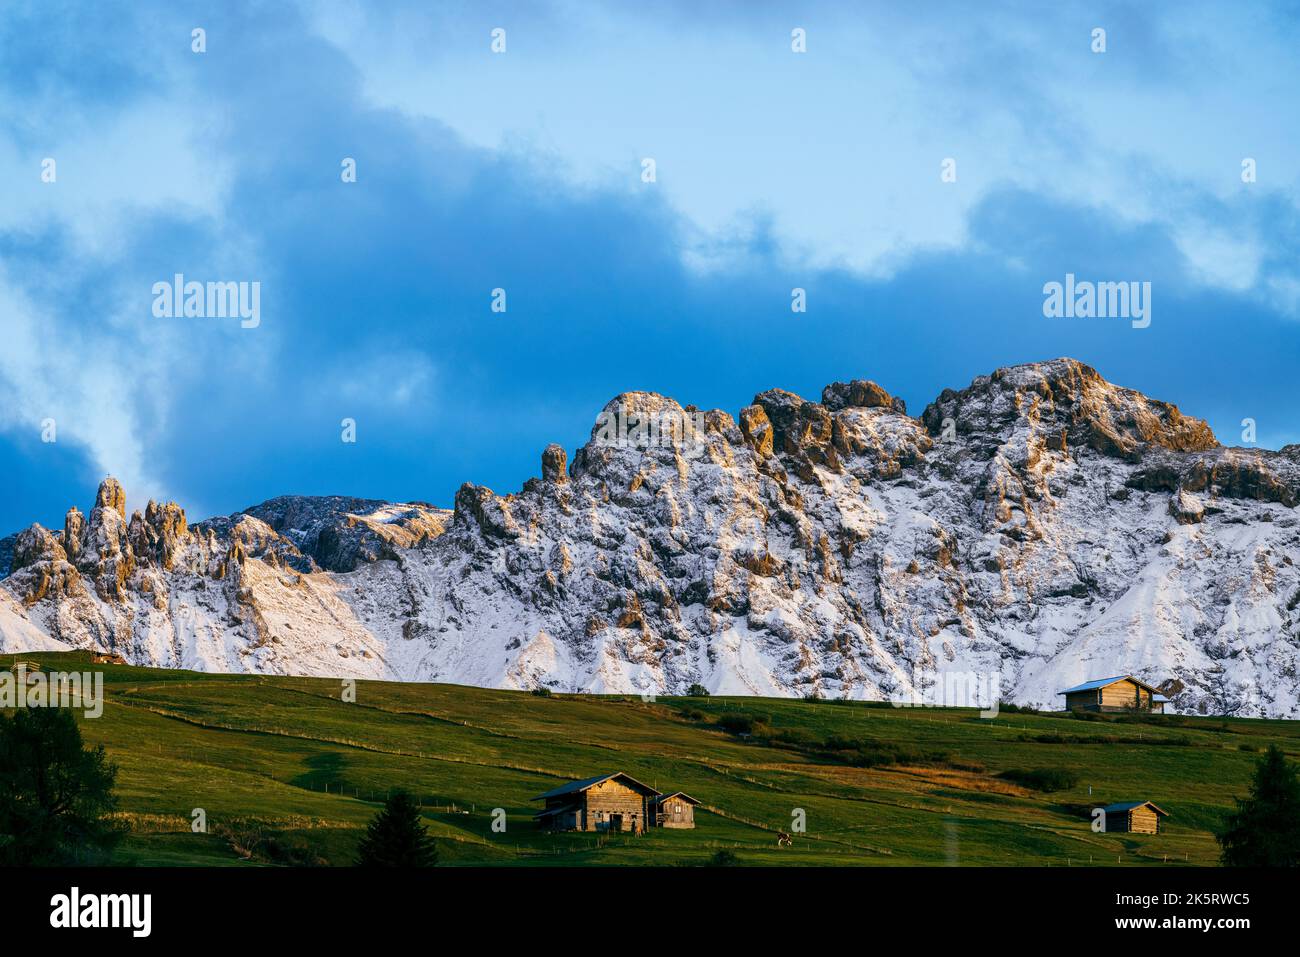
<point>1037,526</point>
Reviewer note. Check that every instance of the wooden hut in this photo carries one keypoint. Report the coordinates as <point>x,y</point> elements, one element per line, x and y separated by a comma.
<point>610,802</point>
<point>1121,693</point>
<point>1136,817</point>
<point>674,810</point>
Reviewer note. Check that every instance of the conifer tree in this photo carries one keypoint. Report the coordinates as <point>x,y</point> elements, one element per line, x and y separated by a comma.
<point>1264,831</point>
<point>397,838</point>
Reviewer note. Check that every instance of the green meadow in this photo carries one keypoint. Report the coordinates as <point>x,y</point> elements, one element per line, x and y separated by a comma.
<point>286,763</point>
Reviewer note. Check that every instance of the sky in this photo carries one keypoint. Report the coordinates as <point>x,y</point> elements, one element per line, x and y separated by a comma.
<point>921,171</point>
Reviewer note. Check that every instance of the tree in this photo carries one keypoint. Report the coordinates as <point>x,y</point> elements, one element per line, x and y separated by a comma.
<point>396,838</point>
<point>55,793</point>
<point>1264,831</point>
<point>697,691</point>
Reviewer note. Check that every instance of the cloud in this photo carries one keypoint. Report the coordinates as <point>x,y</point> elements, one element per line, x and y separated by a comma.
<point>839,149</point>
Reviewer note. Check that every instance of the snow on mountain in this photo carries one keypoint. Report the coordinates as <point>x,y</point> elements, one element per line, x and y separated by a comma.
<point>1039,528</point>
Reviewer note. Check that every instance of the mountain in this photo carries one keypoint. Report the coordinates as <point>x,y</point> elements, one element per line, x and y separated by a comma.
<point>1038,528</point>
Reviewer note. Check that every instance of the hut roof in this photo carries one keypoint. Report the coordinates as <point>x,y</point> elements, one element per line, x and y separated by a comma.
<point>573,787</point>
<point>676,794</point>
<point>1107,682</point>
<point>1130,805</point>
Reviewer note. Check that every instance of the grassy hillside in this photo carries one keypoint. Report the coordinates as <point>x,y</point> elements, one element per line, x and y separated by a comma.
<point>284,765</point>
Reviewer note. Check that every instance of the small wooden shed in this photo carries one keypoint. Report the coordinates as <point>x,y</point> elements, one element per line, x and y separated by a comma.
<point>1120,693</point>
<point>674,810</point>
<point>1136,817</point>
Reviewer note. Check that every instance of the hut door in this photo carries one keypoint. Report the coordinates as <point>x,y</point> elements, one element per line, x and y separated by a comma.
<point>616,822</point>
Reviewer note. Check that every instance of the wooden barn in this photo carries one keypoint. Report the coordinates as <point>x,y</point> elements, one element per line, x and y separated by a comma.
<point>1121,693</point>
<point>610,802</point>
<point>674,810</point>
<point>1136,817</point>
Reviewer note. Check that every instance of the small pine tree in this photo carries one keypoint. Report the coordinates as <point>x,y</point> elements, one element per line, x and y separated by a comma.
<point>396,838</point>
<point>1264,831</point>
<point>55,793</point>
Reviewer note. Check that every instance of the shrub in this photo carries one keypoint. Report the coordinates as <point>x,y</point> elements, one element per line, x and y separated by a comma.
<point>541,692</point>
<point>1008,708</point>
<point>796,738</point>
<point>723,858</point>
<point>742,722</point>
<point>253,841</point>
<point>697,691</point>
<point>869,753</point>
<point>1042,779</point>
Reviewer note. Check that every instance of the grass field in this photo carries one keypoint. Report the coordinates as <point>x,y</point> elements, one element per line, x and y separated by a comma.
<point>289,760</point>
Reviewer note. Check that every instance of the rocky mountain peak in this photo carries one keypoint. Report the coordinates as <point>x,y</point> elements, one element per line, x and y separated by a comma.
<point>1068,404</point>
<point>36,544</point>
<point>860,393</point>
<point>555,464</point>
<point>111,495</point>
<point>74,532</point>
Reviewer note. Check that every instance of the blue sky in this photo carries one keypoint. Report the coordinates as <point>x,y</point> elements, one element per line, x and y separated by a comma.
<point>522,170</point>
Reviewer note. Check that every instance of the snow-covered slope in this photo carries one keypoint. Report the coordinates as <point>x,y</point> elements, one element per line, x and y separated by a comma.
<point>1038,528</point>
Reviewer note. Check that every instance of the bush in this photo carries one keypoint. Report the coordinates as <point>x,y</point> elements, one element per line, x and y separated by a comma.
<point>1008,708</point>
<point>724,858</point>
<point>1042,779</point>
<point>697,691</point>
<point>796,738</point>
<point>541,692</point>
<point>869,753</point>
<point>742,722</point>
<point>1052,737</point>
<point>252,840</point>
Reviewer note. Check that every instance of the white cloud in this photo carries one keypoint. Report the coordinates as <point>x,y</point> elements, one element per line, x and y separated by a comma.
<point>839,148</point>
<point>84,383</point>
<point>112,168</point>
